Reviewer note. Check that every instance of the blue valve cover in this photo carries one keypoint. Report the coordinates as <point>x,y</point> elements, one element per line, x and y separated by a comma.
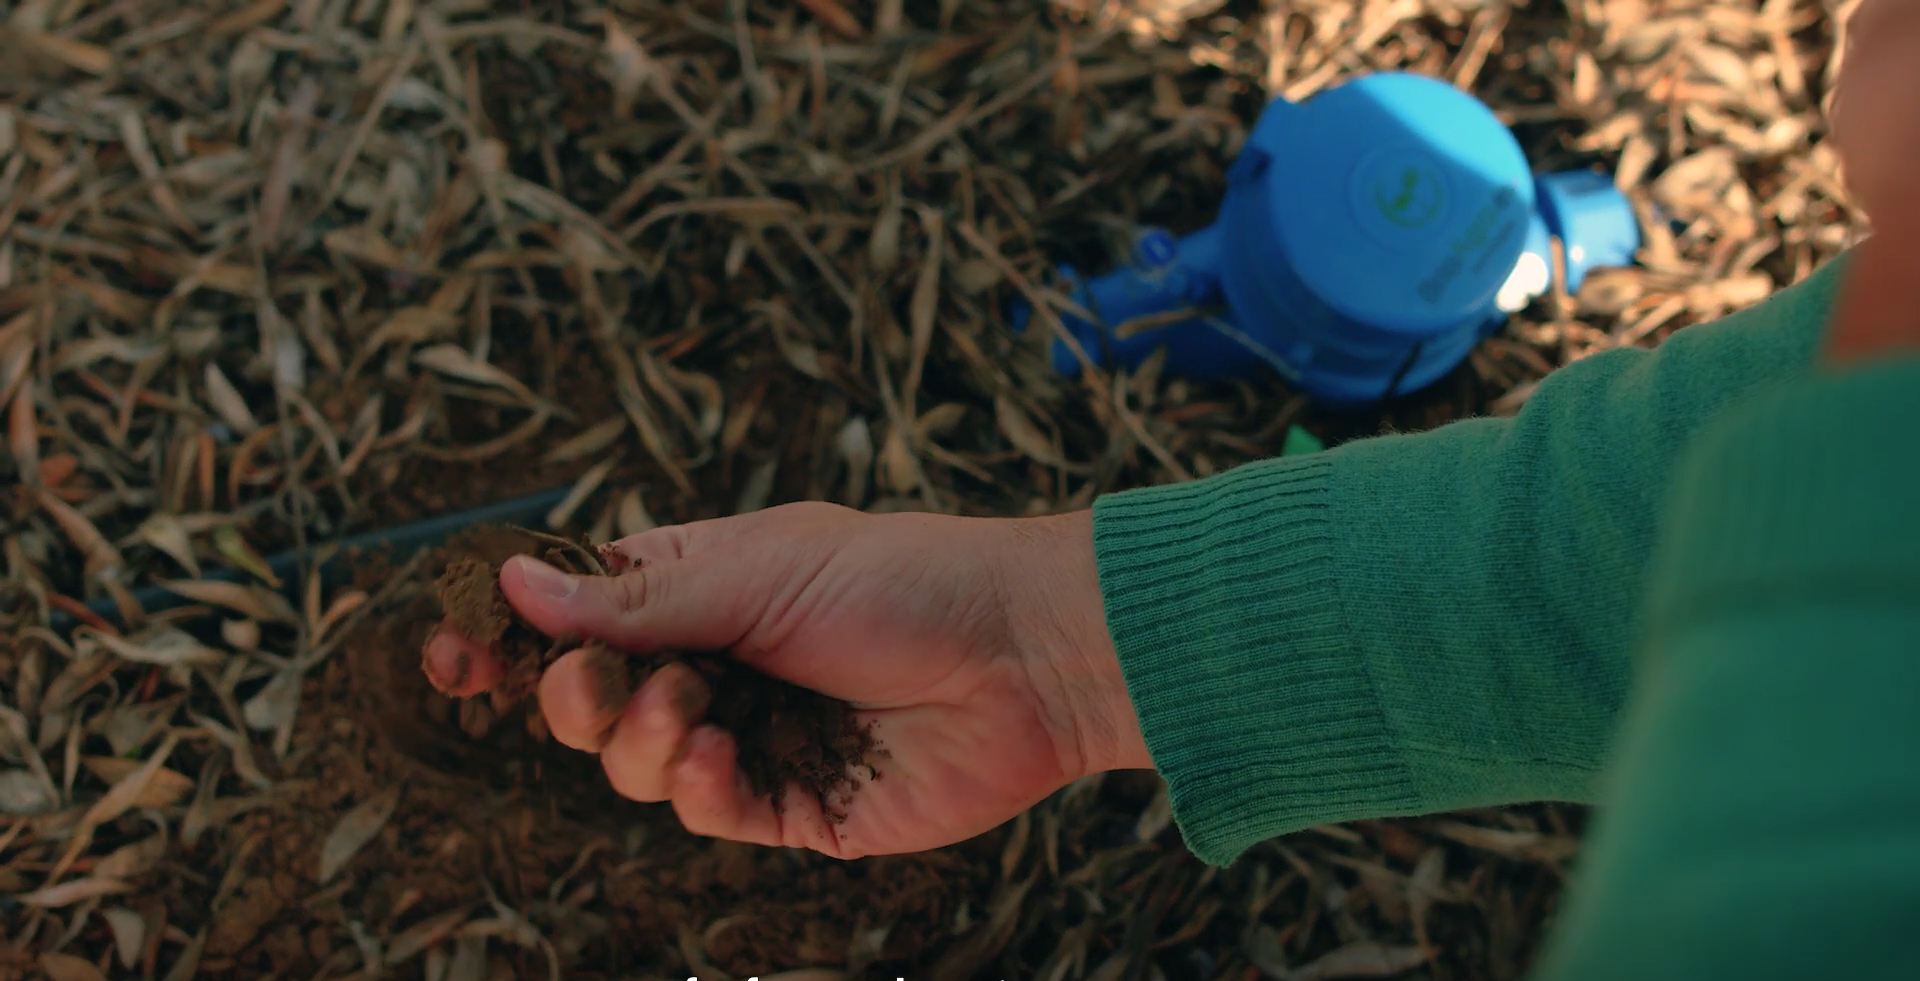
<point>1399,200</point>
<point>1370,236</point>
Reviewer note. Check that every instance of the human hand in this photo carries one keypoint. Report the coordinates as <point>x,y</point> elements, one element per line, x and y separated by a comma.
<point>977,647</point>
<point>1876,129</point>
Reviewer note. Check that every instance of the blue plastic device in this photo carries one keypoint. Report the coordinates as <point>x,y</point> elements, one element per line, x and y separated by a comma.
<point>1370,237</point>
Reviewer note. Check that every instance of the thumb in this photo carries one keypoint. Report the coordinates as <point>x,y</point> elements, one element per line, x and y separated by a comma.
<point>686,604</point>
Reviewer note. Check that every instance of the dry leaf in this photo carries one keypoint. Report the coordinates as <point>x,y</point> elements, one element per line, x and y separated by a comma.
<point>1157,815</point>
<point>588,441</point>
<point>23,436</point>
<point>802,358</point>
<point>1020,430</point>
<point>342,607</point>
<point>13,722</point>
<point>228,402</point>
<point>424,934</point>
<point>355,829</point>
<point>757,488</point>
<point>236,744</point>
<point>165,789</point>
<point>1016,846</point>
<point>166,533</point>
<point>250,601</point>
<point>368,246</point>
<point>1426,886</point>
<point>925,302</point>
<point>102,558</point>
<point>230,543</point>
<point>1363,959</point>
<point>1697,182</point>
<point>24,795</point>
<point>832,14</point>
<point>451,359</point>
<point>78,890</point>
<point>469,961</point>
<point>255,14</point>
<point>80,674</point>
<point>275,703</point>
<point>90,58</point>
<point>939,421</point>
<point>883,243</point>
<point>898,466</point>
<point>632,518</point>
<point>408,326</point>
<point>129,933</point>
<point>561,513</point>
<point>187,965</point>
<point>625,66</point>
<point>1526,846</point>
<point>66,967</point>
<point>129,862</point>
<point>855,445</point>
<point>127,792</point>
<point>241,635</point>
<point>1265,948</point>
<point>163,645</point>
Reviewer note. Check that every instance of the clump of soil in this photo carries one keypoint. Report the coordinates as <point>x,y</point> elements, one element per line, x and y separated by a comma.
<point>787,736</point>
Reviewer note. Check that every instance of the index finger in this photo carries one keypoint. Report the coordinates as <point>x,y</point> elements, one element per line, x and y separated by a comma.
<point>460,666</point>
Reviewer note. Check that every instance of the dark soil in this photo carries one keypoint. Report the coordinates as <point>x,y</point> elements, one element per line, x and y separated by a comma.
<point>788,737</point>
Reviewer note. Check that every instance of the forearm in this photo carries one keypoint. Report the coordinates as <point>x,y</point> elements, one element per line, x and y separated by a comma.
<point>1420,622</point>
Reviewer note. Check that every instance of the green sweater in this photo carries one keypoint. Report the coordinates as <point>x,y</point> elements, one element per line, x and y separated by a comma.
<point>1681,584</point>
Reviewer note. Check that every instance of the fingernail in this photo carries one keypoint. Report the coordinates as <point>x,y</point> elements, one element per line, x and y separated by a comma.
<point>545,580</point>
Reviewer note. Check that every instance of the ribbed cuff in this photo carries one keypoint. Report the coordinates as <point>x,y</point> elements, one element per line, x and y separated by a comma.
<point>1231,634</point>
<point>1811,491</point>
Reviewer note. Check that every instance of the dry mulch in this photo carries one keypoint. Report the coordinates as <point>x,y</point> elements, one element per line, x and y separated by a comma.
<point>275,271</point>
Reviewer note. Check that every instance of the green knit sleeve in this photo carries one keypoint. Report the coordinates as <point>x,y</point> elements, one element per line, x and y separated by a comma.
<point>1762,813</point>
<point>1419,622</point>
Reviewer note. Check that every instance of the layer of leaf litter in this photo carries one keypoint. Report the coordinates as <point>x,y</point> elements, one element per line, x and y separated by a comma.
<point>275,271</point>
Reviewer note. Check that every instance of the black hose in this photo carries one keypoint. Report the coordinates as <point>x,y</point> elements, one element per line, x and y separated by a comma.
<point>403,540</point>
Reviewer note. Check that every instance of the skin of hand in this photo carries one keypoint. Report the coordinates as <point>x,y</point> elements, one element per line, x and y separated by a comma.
<point>977,646</point>
<point>1876,130</point>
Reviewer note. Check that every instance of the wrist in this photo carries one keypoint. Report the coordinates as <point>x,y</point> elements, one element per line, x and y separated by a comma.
<point>1058,606</point>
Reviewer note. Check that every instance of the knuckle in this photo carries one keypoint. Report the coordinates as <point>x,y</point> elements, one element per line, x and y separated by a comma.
<point>797,514</point>
<point>637,588</point>
<point>629,781</point>
<point>584,742</point>
<point>702,818</point>
<point>656,545</point>
<point>822,510</point>
<point>571,734</point>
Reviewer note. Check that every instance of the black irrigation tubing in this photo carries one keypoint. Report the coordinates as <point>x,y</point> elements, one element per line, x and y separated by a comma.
<point>403,540</point>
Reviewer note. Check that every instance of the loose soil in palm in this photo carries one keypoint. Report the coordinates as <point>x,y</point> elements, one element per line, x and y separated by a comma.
<point>786,736</point>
